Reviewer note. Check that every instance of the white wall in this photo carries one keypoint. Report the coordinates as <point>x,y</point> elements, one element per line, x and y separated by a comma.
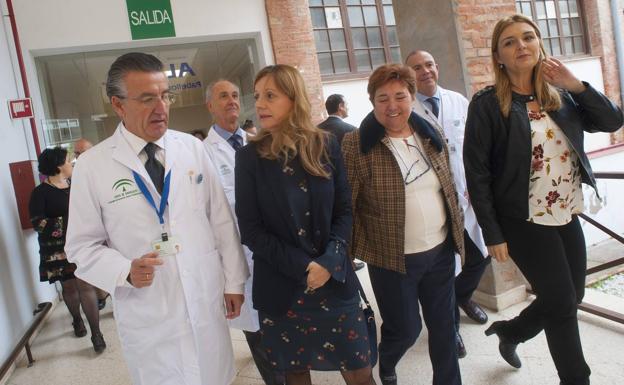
<point>20,289</point>
<point>590,70</point>
<point>355,94</point>
<point>66,26</point>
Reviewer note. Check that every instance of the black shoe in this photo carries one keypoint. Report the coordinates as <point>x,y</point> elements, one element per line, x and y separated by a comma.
<point>461,348</point>
<point>507,349</point>
<point>98,342</point>
<point>474,311</point>
<point>358,265</point>
<point>79,328</point>
<point>388,379</point>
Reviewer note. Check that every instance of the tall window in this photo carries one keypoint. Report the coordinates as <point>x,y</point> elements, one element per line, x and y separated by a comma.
<point>560,23</point>
<point>354,36</point>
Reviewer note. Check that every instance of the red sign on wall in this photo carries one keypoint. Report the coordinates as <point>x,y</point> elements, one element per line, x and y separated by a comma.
<point>20,108</point>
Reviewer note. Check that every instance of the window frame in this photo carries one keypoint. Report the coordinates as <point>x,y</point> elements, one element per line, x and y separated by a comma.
<point>346,28</point>
<point>561,38</point>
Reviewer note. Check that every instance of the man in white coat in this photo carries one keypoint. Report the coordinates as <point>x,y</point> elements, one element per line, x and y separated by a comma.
<point>224,138</point>
<point>149,223</point>
<point>447,111</point>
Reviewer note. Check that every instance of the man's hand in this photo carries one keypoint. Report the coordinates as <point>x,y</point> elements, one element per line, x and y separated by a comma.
<point>499,251</point>
<point>142,269</point>
<point>317,275</point>
<point>233,303</point>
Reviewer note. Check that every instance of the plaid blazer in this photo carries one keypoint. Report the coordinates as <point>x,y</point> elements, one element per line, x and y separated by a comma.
<point>378,192</point>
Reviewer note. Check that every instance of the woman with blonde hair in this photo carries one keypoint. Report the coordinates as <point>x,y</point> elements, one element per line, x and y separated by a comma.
<point>525,162</point>
<point>294,213</point>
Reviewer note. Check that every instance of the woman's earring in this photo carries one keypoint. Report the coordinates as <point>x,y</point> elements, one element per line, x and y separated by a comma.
<point>501,66</point>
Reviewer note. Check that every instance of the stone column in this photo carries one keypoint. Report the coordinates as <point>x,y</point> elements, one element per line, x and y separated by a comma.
<point>501,286</point>
<point>290,25</point>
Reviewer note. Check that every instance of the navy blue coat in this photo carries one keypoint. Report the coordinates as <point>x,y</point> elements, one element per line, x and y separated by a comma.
<point>267,228</point>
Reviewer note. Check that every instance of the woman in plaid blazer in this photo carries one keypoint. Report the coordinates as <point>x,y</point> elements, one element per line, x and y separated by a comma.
<point>407,223</point>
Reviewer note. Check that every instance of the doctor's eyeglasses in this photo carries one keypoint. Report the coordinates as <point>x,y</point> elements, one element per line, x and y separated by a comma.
<point>150,101</point>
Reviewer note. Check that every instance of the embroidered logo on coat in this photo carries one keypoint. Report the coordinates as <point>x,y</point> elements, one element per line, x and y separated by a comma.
<point>124,188</point>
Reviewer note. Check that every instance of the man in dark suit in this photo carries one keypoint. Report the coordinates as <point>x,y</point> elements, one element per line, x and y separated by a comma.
<point>337,110</point>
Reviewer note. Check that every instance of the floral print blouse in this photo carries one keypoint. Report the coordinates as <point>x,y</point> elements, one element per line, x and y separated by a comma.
<point>555,192</point>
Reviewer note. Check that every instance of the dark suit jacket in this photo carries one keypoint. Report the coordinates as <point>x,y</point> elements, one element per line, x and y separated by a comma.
<point>336,126</point>
<point>267,228</point>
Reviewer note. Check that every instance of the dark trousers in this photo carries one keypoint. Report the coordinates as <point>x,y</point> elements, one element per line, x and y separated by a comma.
<point>261,360</point>
<point>429,279</point>
<point>553,259</point>
<point>468,279</point>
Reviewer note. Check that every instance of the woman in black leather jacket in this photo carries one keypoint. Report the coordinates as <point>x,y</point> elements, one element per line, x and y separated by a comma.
<point>525,162</point>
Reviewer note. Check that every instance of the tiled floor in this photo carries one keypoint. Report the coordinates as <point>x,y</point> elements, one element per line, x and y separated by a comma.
<point>63,359</point>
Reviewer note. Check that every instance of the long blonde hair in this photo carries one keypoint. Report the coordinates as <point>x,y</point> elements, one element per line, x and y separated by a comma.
<point>296,135</point>
<point>547,95</point>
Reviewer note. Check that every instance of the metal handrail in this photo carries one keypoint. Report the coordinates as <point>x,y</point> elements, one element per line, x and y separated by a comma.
<point>587,307</point>
<point>609,175</point>
<point>39,313</point>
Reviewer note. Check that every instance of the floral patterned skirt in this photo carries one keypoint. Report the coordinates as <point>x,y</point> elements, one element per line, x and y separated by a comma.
<point>319,332</point>
<point>55,267</point>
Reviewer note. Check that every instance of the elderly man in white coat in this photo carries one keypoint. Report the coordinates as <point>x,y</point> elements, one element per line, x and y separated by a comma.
<point>224,139</point>
<point>447,111</point>
<point>149,223</point>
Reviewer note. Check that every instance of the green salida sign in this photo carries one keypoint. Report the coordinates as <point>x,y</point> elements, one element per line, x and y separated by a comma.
<point>150,19</point>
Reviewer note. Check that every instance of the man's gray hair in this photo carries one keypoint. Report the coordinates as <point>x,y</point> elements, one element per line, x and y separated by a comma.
<point>211,85</point>
<point>132,61</point>
<point>417,51</point>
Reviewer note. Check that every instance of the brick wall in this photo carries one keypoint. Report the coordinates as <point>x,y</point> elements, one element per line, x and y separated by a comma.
<point>290,25</point>
<point>476,20</point>
<point>599,26</point>
<point>600,35</point>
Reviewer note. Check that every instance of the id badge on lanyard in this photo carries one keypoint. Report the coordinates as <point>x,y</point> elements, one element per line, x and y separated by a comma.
<point>166,244</point>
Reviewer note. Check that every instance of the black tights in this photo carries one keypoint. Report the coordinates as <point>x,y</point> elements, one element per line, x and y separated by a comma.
<point>362,376</point>
<point>77,292</point>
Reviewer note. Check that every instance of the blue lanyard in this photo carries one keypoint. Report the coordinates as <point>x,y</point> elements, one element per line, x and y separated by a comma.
<point>163,198</point>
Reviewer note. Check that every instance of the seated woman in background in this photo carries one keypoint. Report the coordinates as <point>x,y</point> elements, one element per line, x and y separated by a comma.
<point>49,205</point>
<point>294,214</point>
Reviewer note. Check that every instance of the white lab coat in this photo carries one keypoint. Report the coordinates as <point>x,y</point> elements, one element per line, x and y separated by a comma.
<point>222,155</point>
<point>451,121</point>
<point>174,331</point>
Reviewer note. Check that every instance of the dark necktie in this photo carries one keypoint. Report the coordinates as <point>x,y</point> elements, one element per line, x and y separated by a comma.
<point>235,141</point>
<point>154,168</point>
<point>435,107</point>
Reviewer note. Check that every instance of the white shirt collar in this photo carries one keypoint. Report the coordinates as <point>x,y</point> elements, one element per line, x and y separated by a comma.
<point>423,98</point>
<point>137,143</point>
